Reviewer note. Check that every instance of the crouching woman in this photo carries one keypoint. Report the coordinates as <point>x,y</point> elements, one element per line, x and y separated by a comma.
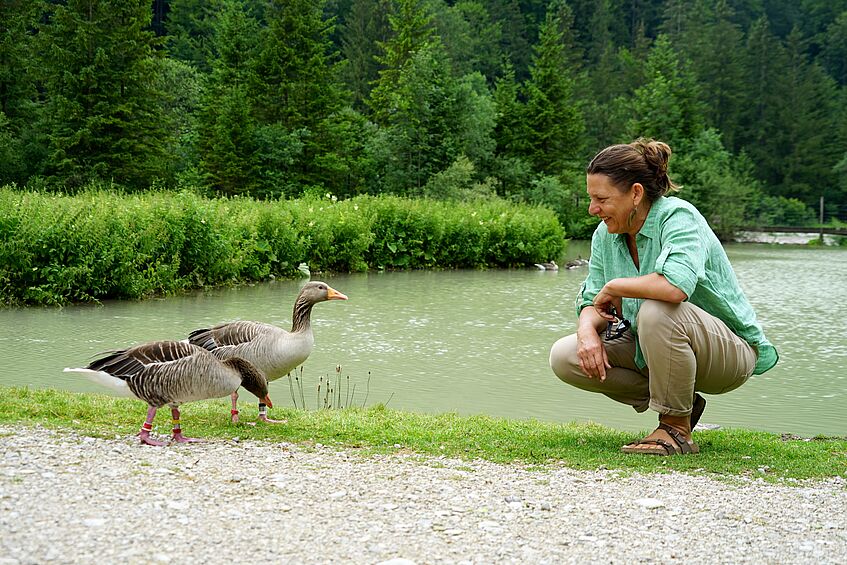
<point>661,314</point>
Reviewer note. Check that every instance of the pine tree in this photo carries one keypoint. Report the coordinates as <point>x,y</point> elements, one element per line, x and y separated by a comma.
<point>759,128</point>
<point>471,37</point>
<point>835,49</point>
<point>554,120</point>
<point>810,151</point>
<point>515,34</point>
<point>706,35</point>
<point>105,113</point>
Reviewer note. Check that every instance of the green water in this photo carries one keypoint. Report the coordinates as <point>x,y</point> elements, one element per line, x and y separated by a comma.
<point>474,341</point>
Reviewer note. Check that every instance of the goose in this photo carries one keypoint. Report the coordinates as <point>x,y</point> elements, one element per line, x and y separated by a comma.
<point>551,266</point>
<point>272,350</point>
<point>172,372</point>
<point>576,263</point>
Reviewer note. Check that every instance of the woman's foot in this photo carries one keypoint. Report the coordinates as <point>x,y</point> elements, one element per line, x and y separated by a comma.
<point>672,437</point>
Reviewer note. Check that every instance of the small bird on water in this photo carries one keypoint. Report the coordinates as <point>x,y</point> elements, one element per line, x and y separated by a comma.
<point>173,373</point>
<point>551,266</point>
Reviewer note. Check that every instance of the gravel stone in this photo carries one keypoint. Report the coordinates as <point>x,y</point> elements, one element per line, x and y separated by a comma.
<point>67,498</point>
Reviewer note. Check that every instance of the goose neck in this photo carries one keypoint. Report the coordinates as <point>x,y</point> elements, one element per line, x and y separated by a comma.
<point>301,319</point>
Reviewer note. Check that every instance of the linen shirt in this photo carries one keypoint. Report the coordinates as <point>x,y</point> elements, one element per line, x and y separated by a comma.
<point>677,242</point>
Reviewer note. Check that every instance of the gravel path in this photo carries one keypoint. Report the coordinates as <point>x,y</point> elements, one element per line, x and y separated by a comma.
<point>66,498</point>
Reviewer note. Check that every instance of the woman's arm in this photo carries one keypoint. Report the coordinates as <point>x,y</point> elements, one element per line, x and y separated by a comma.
<point>590,349</point>
<point>653,286</point>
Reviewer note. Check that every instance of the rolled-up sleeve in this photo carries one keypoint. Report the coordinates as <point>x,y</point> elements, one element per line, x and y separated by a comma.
<point>596,275</point>
<point>682,259</point>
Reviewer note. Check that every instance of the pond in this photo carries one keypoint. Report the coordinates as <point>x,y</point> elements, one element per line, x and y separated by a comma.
<point>473,342</point>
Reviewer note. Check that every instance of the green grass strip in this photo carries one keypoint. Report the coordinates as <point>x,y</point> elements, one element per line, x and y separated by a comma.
<point>725,453</point>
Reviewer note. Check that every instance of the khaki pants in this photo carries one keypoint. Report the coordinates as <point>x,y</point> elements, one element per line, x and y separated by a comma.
<point>686,349</point>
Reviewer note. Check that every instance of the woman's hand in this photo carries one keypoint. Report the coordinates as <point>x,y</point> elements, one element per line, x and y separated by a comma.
<point>589,346</point>
<point>607,299</point>
<point>592,354</point>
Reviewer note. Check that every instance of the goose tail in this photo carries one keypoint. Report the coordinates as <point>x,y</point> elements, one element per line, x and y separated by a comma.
<point>102,378</point>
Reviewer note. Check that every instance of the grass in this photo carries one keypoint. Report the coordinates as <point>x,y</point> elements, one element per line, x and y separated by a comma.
<point>725,453</point>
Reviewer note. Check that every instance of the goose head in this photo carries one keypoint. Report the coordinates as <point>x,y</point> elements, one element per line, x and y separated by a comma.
<point>317,291</point>
<point>252,379</point>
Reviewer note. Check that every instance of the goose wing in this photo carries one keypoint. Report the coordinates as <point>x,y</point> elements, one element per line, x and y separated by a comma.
<point>128,363</point>
<point>231,334</point>
<point>170,372</point>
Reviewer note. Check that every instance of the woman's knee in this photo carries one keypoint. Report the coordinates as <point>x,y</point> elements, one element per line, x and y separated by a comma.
<point>655,313</point>
<point>564,360</point>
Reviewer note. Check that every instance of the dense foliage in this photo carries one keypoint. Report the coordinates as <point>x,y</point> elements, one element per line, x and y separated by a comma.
<point>102,244</point>
<point>445,99</point>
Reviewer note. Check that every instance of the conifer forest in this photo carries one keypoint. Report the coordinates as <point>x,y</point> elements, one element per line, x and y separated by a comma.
<point>449,100</point>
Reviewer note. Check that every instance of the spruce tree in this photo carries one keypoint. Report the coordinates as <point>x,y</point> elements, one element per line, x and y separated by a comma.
<point>297,85</point>
<point>227,141</point>
<point>667,106</point>
<point>190,27</point>
<point>810,149</point>
<point>412,30</point>
<point>18,148</point>
<point>554,119</point>
<point>104,108</point>
<point>365,27</point>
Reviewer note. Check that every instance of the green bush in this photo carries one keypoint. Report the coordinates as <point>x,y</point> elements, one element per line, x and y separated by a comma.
<point>98,244</point>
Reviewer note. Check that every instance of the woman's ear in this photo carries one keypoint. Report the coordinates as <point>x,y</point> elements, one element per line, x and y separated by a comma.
<point>637,193</point>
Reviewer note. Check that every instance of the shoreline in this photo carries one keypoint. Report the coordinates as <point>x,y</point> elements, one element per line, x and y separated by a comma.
<point>66,497</point>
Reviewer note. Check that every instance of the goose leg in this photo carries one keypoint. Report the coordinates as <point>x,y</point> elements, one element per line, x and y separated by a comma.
<point>263,415</point>
<point>234,411</point>
<point>177,431</point>
<point>147,427</point>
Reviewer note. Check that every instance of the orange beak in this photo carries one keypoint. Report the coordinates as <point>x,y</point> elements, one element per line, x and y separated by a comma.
<point>332,294</point>
<point>267,400</point>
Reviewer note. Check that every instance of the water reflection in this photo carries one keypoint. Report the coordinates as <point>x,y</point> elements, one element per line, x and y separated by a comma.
<point>475,341</point>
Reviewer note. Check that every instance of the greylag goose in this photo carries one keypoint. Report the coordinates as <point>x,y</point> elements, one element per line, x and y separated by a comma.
<point>551,266</point>
<point>272,350</point>
<point>173,372</point>
<point>576,263</point>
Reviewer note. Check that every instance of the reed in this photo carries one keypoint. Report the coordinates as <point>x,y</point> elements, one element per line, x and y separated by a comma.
<point>331,393</point>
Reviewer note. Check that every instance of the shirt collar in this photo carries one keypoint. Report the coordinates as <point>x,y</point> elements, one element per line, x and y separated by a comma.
<point>650,229</point>
<point>651,224</point>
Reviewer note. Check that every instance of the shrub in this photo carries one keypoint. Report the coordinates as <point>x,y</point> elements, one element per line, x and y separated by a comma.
<point>98,244</point>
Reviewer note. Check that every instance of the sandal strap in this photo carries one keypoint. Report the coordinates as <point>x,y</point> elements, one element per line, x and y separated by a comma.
<point>669,448</point>
<point>680,440</point>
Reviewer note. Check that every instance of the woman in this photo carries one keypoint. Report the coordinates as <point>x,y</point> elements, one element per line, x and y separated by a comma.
<point>661,314</point>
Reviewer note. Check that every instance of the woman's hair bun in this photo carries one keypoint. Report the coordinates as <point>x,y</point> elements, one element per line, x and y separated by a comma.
<point>656,155</point>
<point>643,161</point>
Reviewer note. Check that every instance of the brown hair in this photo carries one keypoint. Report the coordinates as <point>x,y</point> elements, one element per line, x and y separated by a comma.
<point>643,161</point>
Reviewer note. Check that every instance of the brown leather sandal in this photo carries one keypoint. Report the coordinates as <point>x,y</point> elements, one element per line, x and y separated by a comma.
<point>658,446</point>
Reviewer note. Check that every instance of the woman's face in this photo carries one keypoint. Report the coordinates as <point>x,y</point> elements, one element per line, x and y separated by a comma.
<point>610,204</point>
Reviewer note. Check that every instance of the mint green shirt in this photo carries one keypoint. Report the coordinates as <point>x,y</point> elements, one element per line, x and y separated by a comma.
<point>677,242</point>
